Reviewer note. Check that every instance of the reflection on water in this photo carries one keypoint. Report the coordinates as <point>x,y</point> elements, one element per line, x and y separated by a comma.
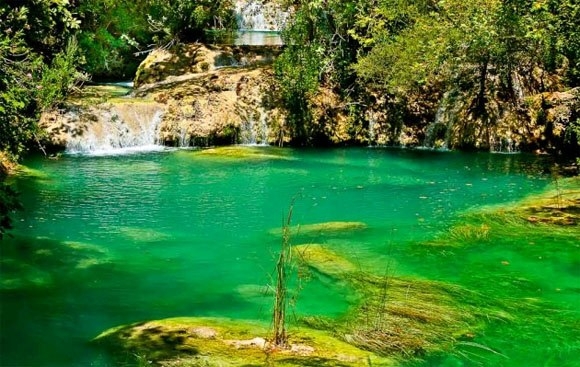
<point>256,38</point>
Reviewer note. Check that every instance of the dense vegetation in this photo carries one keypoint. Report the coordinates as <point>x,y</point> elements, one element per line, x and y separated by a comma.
<point>412,57</point>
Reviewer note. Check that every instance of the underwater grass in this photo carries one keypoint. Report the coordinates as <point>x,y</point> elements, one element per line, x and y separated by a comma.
<point>418,319</point>
<point>395,316</point>
<point>553,213</point>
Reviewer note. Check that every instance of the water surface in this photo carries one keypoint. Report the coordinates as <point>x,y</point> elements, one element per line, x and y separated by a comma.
<point>112,240</point>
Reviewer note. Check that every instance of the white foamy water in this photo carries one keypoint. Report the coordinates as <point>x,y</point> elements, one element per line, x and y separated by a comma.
<point>123,129</point>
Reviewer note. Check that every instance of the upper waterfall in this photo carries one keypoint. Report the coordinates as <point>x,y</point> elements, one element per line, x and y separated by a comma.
<point>260,15</point>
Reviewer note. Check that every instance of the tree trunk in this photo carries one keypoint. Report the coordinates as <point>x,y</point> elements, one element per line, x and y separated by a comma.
<point>480,109</point>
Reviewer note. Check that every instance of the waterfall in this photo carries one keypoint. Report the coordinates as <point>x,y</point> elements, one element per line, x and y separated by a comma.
<point>184,138</point>
<point>254,131</point>
<point>438,133</point>
<point>123,128</point>
<point>505,145</point>
<point>433,138</point>
<point>371,131</point>
<point>259,15</point>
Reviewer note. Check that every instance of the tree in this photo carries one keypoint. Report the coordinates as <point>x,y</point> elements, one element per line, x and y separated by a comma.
<point>37,68</point>
<point>187,20</point>
<point>319,52</point>
<point>110,33</point>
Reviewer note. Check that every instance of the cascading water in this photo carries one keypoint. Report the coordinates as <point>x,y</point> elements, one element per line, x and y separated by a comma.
<point>259,22</point>
<point>256,15</point>
<point>254,131</point>
<point>438,133</point>
<point>372,134</point>
<point>123,128</point>
<point>505,145</point>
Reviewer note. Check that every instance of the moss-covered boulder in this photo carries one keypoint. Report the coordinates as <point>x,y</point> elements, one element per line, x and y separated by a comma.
<point>225,342</point>
<point>242,152</point>
<point>335,228</point>
<point>322,259</point>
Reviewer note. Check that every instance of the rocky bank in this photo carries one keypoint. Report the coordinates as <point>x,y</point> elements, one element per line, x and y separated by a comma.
<point>202,95</point>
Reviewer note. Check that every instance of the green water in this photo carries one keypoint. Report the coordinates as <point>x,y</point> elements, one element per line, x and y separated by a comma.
<point>106,241</point>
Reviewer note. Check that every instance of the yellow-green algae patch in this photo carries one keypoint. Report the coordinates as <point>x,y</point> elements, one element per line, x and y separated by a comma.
<point>555,212</point>
<point>243,152</point>
<point>30,172</point>
<point>325,228</point>
<point>226,342</point>
<point>143,234</point>
<point>94,94</point>
<point>559,204</point>
<point>322,259</point>
<point>17,275</point>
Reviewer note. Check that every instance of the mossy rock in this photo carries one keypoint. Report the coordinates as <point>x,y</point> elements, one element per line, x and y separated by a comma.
<point>321,229</point>
<point>243,152</point>
<point>225,342</point>
<point>322,259</point>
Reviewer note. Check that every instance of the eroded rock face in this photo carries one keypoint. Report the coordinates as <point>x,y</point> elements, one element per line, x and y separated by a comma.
<point>212,95</point>
<point>218,107</point>
<point>192,95</point>
<point>556,117</point>
<point>182,60</point>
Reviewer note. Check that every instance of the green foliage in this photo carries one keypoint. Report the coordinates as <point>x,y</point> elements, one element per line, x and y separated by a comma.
<point>37,68</point>
<point>115,36</point>
<point>489,53</point>
<point>111,32</point>
<point>297,73</point>
<point>319,52</point>
<point>59,78</point>
<point>409,59</point>
<point>18,81</point>
<point>45,25</point>
<point>186,20</point>
<point>572,138</point>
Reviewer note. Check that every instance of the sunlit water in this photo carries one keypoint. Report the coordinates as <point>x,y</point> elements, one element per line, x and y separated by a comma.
<point>117,239</point>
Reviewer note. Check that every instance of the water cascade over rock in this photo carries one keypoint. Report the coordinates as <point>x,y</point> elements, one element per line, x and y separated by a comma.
<point>107,129</point>
<point>262,16</point>
<point>259,22</point>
